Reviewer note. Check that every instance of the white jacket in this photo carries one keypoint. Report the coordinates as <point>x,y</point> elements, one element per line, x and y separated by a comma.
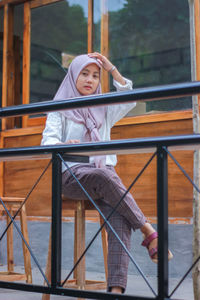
<point>60,129</point>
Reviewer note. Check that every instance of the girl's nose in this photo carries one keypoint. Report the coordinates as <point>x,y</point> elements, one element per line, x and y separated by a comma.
<point>89,79</point>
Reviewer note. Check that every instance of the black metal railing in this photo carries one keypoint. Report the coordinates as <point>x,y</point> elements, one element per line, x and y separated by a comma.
<point>143,94</point>
<point>160,146</point>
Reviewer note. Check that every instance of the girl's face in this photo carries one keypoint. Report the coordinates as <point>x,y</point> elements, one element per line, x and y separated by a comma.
<point>88,80</point>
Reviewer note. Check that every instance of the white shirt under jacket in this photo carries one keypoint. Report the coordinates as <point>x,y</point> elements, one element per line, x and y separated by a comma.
<point>60,129</point>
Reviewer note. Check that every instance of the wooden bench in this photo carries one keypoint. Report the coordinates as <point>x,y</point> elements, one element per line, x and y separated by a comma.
<point>13,204</point>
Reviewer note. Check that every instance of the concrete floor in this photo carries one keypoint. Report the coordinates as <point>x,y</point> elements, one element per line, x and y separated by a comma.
<point>180,243</point>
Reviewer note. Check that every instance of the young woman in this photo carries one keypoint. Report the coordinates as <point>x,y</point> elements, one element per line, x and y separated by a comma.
<point>99,177</point>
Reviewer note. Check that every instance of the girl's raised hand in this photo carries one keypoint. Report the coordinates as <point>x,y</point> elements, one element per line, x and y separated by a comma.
<point>108,66</point>
<point>103,60</point>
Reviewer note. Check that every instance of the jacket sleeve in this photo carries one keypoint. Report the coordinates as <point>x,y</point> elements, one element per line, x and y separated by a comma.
<point>52,133</point>
<point>118,111</point>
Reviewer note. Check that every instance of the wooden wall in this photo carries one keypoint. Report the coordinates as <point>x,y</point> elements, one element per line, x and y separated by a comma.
<point>19,177</point>
<point>180,190</point>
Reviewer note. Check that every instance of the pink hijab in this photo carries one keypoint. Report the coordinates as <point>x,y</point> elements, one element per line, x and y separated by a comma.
<point>92,118</point>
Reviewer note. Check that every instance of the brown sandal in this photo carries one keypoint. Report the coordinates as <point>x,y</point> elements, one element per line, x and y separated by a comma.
<point>147,241</point>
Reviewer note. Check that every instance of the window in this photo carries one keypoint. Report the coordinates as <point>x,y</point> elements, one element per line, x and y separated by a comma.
<point>58,33</point>
<point>149,41</point>
<point>18,50</point>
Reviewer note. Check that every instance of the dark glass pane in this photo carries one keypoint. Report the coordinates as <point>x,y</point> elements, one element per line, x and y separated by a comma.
<point>58,33</point>
<point>19,20</point>
<point>1,51</point>
<point>18,46</point>
<point>17,56</point>
<point>149,41</point>
<point>97,25</point>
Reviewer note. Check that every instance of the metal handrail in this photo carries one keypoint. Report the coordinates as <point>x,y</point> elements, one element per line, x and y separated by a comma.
<point>114,146</point>
<point>135,95</point>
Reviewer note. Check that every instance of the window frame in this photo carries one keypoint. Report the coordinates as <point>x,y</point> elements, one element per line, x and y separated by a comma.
<point>8,5</point>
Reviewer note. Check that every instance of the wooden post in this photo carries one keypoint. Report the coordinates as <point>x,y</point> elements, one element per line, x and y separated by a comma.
<point>194,7</point>
<point>80,244</point>
<point>10,256</point>
<point>11,66</point>
<point>8,64</point>
<point>5,62</point>
<point>105,42</point>
<point>27,256</point>
<point>26,59</point>
<point>90,25</point>
<point>17,77</point>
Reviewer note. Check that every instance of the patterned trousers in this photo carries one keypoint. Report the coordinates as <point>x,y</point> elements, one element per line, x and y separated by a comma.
<point>106,188</point>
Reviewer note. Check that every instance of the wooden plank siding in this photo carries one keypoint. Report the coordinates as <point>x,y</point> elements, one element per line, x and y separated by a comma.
<point>180,204</point>
<point>19,177</point>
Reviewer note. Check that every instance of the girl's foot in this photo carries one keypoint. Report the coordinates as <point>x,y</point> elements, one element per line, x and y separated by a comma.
<point>151,242</point>
<point>147,231</point>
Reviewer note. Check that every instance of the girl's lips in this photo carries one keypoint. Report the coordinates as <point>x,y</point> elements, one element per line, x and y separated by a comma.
<point>87,87</point>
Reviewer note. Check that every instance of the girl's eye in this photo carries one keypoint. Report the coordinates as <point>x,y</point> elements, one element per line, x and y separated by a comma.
<point>96,76</point>
<point>84,73</point>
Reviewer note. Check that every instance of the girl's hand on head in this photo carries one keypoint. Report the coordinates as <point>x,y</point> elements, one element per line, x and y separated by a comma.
<point>108,66</point>
<point>103,60</point>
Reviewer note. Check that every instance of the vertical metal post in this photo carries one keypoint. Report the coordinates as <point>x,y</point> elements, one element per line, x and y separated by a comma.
<point>56,221</point>
<point>162,208</point>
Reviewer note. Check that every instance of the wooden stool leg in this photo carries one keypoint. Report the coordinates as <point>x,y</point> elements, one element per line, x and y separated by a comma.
<point>10,259</point>
<point>27,256</point>
<point>105,246</point>
<point>48,269</point>
<point>75,244</point>
<point>79,246</point>
<point>80,231</point>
